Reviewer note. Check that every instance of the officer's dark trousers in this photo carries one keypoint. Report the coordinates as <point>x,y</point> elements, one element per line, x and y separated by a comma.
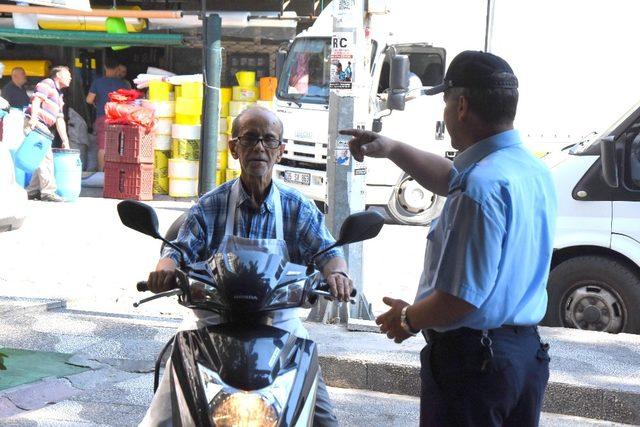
<point>456,391</point>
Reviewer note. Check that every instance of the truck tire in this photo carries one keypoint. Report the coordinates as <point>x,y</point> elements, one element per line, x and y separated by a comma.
<point>172,232</point>
<point>594,293</point>
<point>412,204</point>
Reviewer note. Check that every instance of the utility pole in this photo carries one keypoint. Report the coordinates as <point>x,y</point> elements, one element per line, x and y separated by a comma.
<point>348,108</point>
<point>488,31</point>
<point>211,110</point>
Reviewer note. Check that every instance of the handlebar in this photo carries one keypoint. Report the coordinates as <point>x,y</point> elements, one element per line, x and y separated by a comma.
<point>142,286</point>
<point>324,287</point>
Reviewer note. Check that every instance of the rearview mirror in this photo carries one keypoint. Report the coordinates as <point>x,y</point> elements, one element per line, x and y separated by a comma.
<point>360,226</point>
<point>399,75</point>
<point>140,217</point>
<point>609,162</point>
<point>398,82</point>
<point>281,56</point>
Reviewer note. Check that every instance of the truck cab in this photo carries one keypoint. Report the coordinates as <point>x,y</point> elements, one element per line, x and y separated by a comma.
<point>594,282</point>
<point>302,103</point>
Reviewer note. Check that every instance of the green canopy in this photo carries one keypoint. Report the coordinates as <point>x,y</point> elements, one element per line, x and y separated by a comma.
<point>94,39</point>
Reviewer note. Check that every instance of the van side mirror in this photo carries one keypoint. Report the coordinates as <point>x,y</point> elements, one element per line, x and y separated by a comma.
<point>609,162</point>
<point>398,82</point>
<point>281,57</point>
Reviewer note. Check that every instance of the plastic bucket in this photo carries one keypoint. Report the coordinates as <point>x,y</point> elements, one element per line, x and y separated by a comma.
<point>67,169</point>
<point>246,78</point>
<point>268,88</point>
<point>191,90</point>
<point>159,91</point>
<point>33,149</point>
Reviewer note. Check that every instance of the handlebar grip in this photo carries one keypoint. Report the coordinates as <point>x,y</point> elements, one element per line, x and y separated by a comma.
<point>325,287</point>
<point>142,286</point>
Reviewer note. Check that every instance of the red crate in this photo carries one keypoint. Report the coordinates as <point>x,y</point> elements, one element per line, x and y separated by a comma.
<point>128,144</point>
<point>128,181</point>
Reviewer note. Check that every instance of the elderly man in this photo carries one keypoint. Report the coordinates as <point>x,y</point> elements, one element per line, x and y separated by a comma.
<point>254,207</point>
<point>14,91</point>
<point>45,112</point>
<point>483,287</point>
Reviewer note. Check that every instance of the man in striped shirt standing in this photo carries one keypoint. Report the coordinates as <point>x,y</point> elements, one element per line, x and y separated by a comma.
<point>44,112</point>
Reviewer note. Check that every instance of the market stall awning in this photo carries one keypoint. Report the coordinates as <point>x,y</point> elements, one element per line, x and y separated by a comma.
<point>87,38</point>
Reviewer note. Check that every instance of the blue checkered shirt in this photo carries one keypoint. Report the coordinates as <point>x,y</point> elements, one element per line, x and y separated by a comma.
<point>304,230</point>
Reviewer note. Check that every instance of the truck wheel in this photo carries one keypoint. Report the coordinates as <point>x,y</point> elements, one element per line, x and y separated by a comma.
<point>412,204</point>
<point>172,232</point>
<point>594,293</point>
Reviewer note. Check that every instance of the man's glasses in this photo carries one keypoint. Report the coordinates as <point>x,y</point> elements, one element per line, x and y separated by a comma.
<point>250,141</point>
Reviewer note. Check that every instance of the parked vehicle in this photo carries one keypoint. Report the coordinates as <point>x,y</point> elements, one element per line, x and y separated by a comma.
<point>302,103</point>
<point>595,272</point>
<point>244,371</point>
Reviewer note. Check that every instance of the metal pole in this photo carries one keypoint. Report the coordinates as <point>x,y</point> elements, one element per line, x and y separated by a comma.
<point>211,107</point>
<point>346,179</point>
<point>488,32</point>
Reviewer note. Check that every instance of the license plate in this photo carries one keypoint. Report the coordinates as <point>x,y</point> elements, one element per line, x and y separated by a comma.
<point>297,177</point>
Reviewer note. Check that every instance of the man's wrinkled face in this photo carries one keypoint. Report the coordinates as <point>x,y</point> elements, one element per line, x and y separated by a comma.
<point>257,160</point>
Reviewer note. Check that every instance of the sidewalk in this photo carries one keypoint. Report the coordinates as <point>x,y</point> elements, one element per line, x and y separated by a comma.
<point>593,375</point>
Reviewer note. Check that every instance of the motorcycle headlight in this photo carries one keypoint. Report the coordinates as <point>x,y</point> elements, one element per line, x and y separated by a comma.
<point>233,407</point>
<point>243,409</point>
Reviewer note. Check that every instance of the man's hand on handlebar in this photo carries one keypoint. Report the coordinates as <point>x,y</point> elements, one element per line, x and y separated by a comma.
<point>340,285</point>
<point>164,278</point>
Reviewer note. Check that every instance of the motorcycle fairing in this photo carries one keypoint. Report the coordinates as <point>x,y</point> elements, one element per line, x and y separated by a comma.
<point>247,357</point>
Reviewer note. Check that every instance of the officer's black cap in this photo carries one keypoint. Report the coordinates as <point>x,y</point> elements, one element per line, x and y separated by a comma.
<point>474,69</point>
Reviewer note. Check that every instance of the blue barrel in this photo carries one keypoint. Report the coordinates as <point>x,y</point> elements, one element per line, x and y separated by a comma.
<point>67,169</point>
<point>33,149</point>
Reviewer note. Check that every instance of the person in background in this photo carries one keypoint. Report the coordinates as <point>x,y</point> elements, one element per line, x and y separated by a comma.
<point>14,91</point>
<point>98,96</point>
<point>122,74</point>
<point>46,111</point>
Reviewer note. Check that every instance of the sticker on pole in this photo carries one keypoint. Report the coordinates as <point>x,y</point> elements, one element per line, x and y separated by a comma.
<point>342,64</point>
<point>342,156</point>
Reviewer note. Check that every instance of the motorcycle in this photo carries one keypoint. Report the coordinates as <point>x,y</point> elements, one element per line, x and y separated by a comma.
<point>243,371</point>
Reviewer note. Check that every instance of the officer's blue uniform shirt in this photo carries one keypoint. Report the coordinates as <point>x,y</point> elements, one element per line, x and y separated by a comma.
<point>492,244</point>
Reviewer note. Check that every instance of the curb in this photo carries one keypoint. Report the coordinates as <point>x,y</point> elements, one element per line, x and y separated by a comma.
<point>30,305</point>
<point>560,398</point>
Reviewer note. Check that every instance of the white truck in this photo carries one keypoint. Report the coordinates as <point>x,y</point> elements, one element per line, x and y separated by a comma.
<point>302,103</point>
<point>595,272</point>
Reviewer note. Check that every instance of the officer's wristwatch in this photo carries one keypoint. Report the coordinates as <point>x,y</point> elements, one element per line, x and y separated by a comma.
<point>404,322</point>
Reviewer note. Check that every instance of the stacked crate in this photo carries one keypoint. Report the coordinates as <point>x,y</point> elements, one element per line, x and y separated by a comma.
<point>128,169</point>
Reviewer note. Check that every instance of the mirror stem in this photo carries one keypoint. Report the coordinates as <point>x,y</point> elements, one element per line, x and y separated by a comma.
<point>171,245</point>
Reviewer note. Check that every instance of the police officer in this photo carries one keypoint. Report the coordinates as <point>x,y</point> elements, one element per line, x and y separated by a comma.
<point>483,287</point>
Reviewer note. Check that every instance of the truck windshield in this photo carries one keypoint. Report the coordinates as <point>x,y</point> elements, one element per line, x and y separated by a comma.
<point>305,75</point>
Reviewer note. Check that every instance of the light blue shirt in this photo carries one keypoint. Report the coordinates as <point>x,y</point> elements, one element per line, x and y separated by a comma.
<point>493,242</point>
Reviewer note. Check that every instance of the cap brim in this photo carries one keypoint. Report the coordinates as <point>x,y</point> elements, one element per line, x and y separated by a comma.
<point>436,89</point>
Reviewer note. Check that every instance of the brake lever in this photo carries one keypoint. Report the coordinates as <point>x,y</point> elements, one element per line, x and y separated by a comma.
<point>170,293</point>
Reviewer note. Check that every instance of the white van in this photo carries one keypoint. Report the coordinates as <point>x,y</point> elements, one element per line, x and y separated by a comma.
<point>595,273</point>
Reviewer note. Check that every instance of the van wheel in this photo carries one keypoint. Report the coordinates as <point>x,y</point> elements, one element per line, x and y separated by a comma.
<point>412,204</point>
<point>594,293</point>
<point>172,232</point>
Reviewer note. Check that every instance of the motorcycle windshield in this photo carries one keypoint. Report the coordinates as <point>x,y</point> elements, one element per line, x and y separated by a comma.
<point>252,280</point>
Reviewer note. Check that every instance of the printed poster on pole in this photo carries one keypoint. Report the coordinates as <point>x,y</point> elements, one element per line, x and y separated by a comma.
<point>342,63</point>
